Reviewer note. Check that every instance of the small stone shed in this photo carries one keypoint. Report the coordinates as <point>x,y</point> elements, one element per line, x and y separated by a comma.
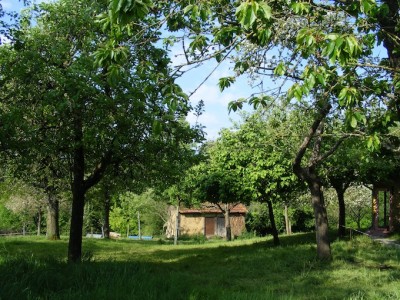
<point>207,220</point>
<point>386,205</point>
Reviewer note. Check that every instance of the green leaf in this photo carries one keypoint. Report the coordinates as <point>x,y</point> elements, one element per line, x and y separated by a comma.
<point>235,105</point>
<point>300,7</point>
<point>157,127</point>
<point>280,69</point>
<point>188,8</point>
<point>225,82</point>
<point>265,10</point>
<point>367,5</point>
<point>321,79</point>
<point>353,121</point>
<point>343,93</point>
<point>246,14</point>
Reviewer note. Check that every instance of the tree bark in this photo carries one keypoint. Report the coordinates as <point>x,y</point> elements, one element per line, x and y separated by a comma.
<point>80,185</point>
<point>310,176</point>
<point>342,211</point>
<point>228,223</point>
<point>272,221</point>
<point>78,191</point>
<point>321,220</point>
<point>107,205</point>
<point>389,33</point>
<point>39,222</point>
<point>287,221</point>
<point>52,222</point>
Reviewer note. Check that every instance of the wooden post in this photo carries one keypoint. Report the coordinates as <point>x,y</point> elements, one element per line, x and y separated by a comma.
<point>138,217</point>
<point>384,208</point>
<point>395,209</point>
<point>176,225</point>
<point>375,208</point>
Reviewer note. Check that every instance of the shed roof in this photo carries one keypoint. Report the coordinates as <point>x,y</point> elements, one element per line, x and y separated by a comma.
<point>209,208</point>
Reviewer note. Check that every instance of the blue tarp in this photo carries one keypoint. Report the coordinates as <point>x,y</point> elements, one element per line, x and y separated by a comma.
<point>144,237</point>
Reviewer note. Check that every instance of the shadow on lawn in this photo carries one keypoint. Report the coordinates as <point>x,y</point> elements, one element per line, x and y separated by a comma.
<point>227,271</point>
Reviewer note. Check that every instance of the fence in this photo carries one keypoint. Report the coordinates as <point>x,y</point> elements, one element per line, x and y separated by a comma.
<point>18,233</point>
<point>352,230</point>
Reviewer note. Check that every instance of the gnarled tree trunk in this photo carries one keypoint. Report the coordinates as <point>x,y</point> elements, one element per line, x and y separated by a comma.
<point>310,176</point>
<point>321,220</point>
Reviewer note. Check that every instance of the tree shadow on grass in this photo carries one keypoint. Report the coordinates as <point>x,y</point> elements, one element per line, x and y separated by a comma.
<point>226,271</point>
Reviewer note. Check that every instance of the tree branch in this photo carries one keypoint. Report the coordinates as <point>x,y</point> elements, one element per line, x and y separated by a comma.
<point>332,150</point>
<point>99,171</point>
<point>306,142</point>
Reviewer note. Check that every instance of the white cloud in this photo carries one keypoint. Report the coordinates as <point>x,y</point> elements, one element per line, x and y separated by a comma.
<point>216,102</point>
<point>4,39</point>
<point>8,4</point>
<point>177,55</point>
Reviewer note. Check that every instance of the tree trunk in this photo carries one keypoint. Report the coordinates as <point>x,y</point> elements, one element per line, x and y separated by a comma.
<point>78,191</point>
<point>52,222</point>
<point>75,234</point>
<point>287,221</point>
<point>273,224</point>
<point>342,212</point>
<point>310,176</point>
<point>80,185</point>
<point>321,220</point>
<point>228,223</point>
<point>358,223</point>
<point>107,204</point>
<point>39,222</point>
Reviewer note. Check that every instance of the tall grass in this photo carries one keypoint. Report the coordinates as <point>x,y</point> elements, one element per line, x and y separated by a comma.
<point>33,268</point>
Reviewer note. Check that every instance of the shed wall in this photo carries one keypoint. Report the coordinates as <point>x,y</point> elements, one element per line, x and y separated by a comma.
<point>191,224</point>
<point>238,225</point>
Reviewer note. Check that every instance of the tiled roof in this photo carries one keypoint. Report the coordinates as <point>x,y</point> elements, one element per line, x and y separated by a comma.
<point>213,209</point>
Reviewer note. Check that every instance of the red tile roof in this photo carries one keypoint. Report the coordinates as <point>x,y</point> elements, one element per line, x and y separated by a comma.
<point>213,209</point>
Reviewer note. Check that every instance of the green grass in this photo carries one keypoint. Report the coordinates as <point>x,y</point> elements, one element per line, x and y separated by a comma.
<point>34,268</point>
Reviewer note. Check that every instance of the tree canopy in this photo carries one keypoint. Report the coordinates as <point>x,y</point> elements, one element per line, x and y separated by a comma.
<point>64,108</point>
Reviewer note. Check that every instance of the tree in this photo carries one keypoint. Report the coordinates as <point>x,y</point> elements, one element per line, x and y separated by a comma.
<point>328,60</point>
<point>128,114</point>
<point>152,212</point>
<point>359,206</point>
<point>27,203</point>
<point>260,151</point>
<point>215,180</point>
<point>341,173</point>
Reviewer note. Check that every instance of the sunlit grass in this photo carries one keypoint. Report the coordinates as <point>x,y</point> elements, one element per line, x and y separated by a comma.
<point>34,268</point>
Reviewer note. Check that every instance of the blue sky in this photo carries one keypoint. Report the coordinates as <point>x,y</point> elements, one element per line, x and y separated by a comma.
<point>216,114</point>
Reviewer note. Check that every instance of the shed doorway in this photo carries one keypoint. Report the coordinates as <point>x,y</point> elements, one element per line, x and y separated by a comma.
<point>384,208</point>
<point>209,226</point>
<point>221,230</point>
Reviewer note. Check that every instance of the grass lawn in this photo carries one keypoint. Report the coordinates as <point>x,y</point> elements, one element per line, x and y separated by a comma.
<point>34,268</point>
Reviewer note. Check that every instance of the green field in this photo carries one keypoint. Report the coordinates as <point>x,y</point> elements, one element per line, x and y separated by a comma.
<point>34,268</point>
